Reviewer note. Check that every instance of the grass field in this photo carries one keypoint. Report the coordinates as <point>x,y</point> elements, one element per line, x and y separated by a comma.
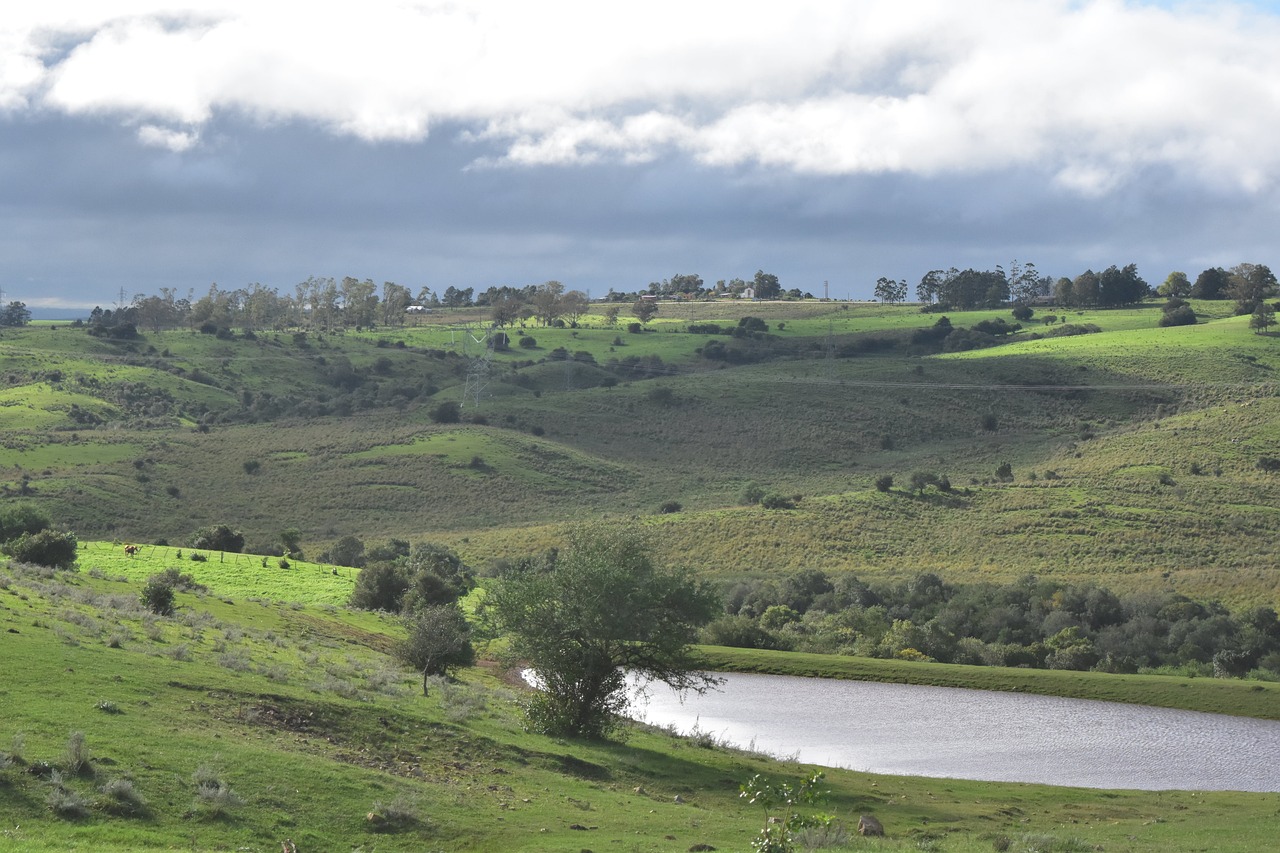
<point>244,720</point>
<point>332,434</point>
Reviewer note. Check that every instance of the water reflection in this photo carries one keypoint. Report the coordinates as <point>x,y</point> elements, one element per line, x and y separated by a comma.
<point>973,734</point>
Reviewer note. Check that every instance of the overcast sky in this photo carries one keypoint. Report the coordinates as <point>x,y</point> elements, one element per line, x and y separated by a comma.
<point>606,145</point>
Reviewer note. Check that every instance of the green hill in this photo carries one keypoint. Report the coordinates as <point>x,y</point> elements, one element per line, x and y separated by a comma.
<point>336,434</point>
<point>245,720</point>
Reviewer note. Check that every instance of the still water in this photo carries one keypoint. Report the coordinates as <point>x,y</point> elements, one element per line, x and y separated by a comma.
<point>911,730</point>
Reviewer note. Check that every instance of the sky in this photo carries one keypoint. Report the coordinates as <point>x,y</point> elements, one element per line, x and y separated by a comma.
<point>608,145</point>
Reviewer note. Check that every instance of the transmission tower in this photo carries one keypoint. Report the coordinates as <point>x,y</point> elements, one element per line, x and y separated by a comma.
<point>478,369</point>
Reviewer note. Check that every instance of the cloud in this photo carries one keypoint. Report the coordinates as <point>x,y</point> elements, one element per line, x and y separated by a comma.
<point>1090,92</point>
<point>162,137</point>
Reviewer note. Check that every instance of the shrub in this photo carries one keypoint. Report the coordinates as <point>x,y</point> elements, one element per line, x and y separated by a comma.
<point>347,551</point>
<point>157,596</point>
<point>1022,313</point>
<point>448,412</point>
<point>214,797</point>
<point>528,342</point>
<point>197,557</point>
<point>76,759</point>
<point>752,494</point>
<point>921,480</point>
<point>392,817</point>
<point>777,501</point>
<point>252,466</point>
<point>21,518</point>
<point>122,798</point>
<point>217,800</point>
<point>64,802</point>
<point>741,632</point>
<point>669,507</point>
<point>884,482</point>
<point>1270,464</point>
<point>1180,316</point>
<point>179,580</point>
<point>218,537</point>
<point>46,548</point>
<point>380,586</point>
<point>990,423</point>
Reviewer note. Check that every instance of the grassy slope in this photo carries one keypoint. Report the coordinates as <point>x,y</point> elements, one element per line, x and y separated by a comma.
<point>296,708</point>
<point>1108,413</point>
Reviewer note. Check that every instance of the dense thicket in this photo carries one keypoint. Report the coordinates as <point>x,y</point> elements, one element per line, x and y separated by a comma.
<point>1033,622</point>
<point>400,579</point>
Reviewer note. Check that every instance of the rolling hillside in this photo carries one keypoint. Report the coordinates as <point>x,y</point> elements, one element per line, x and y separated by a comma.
<point>1133,450</point>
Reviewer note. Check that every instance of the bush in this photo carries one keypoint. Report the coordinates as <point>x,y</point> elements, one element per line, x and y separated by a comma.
<point>122,798</point>
<point>528,342</point>
<point>380,587</point>
<point>741,632</point>
<point>46,548</point>
<point>884,482</point>
<point>392,817</point>
<point>752,494</point>
<point>157,596</point>
<point>217,800</point>
<point>21,518</point>
<point>1022,313</point>
<point>1180,316</point>
<point>218,537</point>
<point>669,507</point>
<point>448,412</point>
<point>76,759</point>
<point>64,802</point>
<point>214,797</point>
<point>777,501</point>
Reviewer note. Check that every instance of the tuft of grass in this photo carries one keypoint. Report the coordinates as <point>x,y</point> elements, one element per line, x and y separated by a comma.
<point>396,816</point>
<point>63,801</point>
<point>76,760</point>
<point>122,798</point>
<point>217,800</point>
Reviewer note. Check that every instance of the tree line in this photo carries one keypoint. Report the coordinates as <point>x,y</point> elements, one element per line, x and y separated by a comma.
<point>325,303</point>
<point>1032,622</point>
<point>953,289</point>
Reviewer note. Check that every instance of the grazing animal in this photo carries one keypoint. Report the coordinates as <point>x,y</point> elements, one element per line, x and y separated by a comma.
<point>131,549</point>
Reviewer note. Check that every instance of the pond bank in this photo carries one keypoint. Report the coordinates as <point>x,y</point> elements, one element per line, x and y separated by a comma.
<point>1210,695</point>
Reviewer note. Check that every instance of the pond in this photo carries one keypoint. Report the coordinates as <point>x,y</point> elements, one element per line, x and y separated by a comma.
<point>911,730</point>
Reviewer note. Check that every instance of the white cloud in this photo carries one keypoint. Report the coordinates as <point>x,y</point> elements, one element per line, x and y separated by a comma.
<point>1088,93</point>
<point>163,137</point>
